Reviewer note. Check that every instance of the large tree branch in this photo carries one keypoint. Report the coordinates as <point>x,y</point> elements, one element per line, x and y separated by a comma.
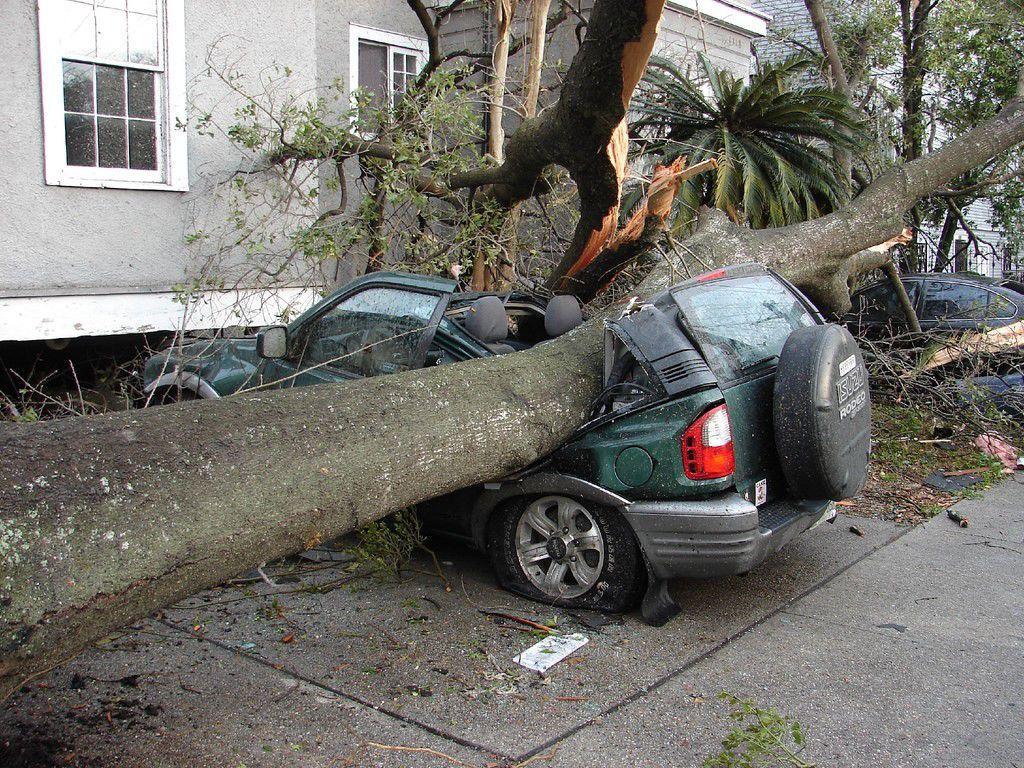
<point>822,255</point>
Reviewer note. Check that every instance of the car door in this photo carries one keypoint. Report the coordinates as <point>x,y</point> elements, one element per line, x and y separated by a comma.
<point>877,311</point>
<point>376,330</point>
<point>951,306</point>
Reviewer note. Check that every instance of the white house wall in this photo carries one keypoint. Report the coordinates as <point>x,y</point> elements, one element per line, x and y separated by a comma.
<point>126,248</point>
<point>67,240</point>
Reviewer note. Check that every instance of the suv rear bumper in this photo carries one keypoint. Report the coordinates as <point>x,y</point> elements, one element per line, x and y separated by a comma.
<point>719,536</point>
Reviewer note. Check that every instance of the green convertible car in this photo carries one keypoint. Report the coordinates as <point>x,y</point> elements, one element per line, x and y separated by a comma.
<point>732,418</point>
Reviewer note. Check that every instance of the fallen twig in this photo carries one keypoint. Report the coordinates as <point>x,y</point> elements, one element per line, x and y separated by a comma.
<point>545,756</point>
<point>962,472</point>
<point>519,620</point>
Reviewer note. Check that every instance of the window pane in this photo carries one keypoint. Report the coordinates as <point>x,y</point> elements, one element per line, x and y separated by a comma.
<point>954,301</point>
<point>80,139</point>
<point>1000,307</point>
<point>142,6</point>
<point>141,102</point>
<point>78,29</point>
<point>78,91</point>
<point>373,70</point>
<point>111,3</point>
<point>375,332</point>
<point>113,142</point>
<point>111,34</point>
<point>143,40</point>
<point>109,91</point>
<point>142,145</point>
<point>741,321</point>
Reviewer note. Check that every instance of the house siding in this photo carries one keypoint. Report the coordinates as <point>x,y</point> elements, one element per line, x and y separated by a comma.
<point>790,29</point>
<point>70,240</point>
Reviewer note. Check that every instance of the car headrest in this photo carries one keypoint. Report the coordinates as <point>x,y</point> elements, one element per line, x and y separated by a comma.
<point>487,319</point>
<point>563,313</point>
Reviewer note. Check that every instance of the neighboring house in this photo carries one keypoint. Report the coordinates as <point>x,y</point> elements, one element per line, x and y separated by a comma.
<point>789,29</point>
<point>989,256</point>
<point>105,172</point>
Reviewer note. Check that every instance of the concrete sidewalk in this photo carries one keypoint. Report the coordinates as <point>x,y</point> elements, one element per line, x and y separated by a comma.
<point>901,647</point>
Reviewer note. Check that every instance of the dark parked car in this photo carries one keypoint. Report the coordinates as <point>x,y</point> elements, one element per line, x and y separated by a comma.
<point>945,303</point>
<point>949,304</point>
<point>731,419</point>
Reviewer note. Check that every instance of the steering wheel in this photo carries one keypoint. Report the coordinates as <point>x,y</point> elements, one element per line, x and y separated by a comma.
<point>378,354</point>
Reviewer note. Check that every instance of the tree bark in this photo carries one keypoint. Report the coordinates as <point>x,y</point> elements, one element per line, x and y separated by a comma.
<point>105,519</point>
<point>944,248</point>
<point>914,21</point>
<point>840,82</point>
<point>913,322</point>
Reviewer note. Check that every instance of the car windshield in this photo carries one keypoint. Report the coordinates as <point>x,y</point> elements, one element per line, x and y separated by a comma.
<point>741,323</point>
<point>373,332</point>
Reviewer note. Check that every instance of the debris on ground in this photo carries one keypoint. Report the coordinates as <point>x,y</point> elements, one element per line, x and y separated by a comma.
<point>997,446</point>
<point>1009,337</point>
<point>595,620</point>
<point>549,651</point>
<point>957,518</point>
<point>951,482</point>
<point>328,552</point>
<point>854,529</point>
<point>534,625</point>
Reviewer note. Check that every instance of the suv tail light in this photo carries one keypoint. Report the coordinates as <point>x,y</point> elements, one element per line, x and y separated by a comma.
<point>707,446</point>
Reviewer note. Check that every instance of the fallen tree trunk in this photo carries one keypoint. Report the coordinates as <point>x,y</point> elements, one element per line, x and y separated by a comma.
<point>105,519</point>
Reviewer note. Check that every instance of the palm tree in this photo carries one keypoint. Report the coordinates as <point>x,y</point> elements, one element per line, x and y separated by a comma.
<point>772,138</point>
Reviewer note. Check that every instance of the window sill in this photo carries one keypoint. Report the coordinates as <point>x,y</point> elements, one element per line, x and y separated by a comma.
<point>151,186</point>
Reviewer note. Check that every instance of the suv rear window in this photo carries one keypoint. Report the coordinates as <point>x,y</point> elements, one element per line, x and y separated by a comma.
<point>741,322</point>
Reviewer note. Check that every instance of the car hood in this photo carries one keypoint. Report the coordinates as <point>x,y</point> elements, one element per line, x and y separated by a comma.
<point>224,364</point>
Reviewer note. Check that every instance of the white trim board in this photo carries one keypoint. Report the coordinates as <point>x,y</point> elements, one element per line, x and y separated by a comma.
<point>38,318</point>
<point>727,13</point>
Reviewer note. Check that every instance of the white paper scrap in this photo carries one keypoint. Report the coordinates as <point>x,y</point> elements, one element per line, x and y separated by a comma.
<point>549,651</point>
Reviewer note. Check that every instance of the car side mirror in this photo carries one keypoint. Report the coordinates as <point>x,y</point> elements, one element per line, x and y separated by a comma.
<point>272,342</point>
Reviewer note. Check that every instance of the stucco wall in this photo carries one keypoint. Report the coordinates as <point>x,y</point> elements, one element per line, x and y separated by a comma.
<point>74,240</point>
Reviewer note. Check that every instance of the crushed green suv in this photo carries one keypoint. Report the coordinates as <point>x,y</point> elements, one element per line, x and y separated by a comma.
<point>732,418</point>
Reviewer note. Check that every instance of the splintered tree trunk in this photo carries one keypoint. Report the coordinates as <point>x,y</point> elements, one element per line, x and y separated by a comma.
<point>534,69</point>
<point>105,519</point>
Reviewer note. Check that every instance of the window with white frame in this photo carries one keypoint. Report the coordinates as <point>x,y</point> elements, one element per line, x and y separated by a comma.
<point>112,78</point>
<point>384,63</point>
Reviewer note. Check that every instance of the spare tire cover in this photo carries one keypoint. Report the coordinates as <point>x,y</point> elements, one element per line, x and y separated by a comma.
<point>822,413</point>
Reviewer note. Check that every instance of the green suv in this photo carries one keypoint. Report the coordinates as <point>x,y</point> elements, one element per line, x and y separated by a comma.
<point>731,419</point>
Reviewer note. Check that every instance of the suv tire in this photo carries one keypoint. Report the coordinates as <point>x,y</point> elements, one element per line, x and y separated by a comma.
<point>822,413</point>
<point>608,572</point>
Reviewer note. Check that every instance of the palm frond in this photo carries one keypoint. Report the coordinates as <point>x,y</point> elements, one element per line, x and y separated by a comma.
<point>773,136</point>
